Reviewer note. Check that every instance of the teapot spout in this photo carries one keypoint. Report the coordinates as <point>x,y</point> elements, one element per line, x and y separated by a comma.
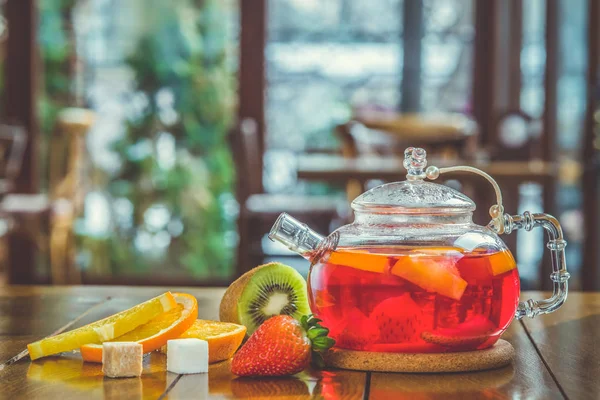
<point>296,236</point>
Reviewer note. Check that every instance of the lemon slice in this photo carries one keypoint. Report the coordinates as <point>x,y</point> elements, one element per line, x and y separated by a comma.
<point>103,330</point>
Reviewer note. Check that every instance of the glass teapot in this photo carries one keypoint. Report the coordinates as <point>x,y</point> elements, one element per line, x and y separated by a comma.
<point>414,274</point>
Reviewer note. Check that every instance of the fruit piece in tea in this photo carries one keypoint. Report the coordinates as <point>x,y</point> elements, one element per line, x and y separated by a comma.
<point>358,331</point>
<point>398,319</point>
<point>501,262</point>
<point>360,260</point>
<point>435,275</point>
<point>424,300</point>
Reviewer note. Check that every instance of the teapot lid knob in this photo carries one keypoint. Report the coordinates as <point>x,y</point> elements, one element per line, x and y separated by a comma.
<point>415,161</point>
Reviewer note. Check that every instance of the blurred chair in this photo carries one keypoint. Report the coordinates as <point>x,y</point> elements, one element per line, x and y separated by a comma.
<point>447,136</point>
<point>67,190</point>
<point>13,141</point>
<point>444,136</point>
<point>258,210</point>
<point>19,214</point>
<point>47,220</point>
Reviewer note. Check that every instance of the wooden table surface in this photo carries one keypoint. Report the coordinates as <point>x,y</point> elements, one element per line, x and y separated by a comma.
<point>337,168</point>
<point>558,356</point>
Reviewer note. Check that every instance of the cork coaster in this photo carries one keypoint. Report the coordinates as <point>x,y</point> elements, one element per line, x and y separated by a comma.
<point>499,355</point>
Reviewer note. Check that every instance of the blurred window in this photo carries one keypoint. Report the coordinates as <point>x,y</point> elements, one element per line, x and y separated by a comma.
<point>322,59</point>
<point>326,59</point>
<point>533,57</point>
<point>134,62</point>
<point>571,107</point>
<point>161,79</point>
<point>572,93</point>
<point>447,55</point>
<point>572,99</point>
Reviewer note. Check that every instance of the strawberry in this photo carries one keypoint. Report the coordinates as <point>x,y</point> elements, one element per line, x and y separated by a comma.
<point>398,319</point>
<point>358,332</point>
<point>282,346</point>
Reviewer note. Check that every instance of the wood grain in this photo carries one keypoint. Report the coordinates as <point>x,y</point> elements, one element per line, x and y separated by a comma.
<point>568,341</point>
<point>68,376</point>
<point>74,293</point>
<point>310,384</point>
<point>40,315</point>
<point>526,378</point>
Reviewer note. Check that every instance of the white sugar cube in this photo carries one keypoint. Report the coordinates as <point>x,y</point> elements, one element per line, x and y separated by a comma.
<point>187,356</point>
<point>122,359</point>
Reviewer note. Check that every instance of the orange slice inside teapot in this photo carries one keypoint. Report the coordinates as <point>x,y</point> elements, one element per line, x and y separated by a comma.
<point>432,269</point>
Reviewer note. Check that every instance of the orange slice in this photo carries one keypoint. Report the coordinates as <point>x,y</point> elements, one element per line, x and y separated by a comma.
<point>371,262</point>
<point>436,276</point>
<point>502,262</point>
<point>223,338</point>
<point>103,330</point>
<point>155,333</point>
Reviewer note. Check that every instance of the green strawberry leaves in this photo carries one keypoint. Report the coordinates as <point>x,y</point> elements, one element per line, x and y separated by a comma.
<point>317,334</point>
<point>323,343</point>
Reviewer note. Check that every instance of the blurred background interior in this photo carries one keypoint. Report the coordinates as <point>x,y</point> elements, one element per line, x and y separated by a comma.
<point>154,142</point>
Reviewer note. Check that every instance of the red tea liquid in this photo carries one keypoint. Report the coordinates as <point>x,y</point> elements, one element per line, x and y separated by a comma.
<point>415,300</point>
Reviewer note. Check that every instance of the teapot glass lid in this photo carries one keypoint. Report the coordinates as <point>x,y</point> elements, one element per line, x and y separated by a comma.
<point>414,196</point>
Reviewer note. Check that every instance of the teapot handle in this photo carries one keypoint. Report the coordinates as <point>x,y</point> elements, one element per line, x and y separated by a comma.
<point>559,275</point>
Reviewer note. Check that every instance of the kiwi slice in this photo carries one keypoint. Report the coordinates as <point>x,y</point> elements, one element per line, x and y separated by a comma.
<point>265,291</point>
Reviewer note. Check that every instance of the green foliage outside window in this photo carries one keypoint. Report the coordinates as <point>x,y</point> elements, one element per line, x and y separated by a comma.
<point>184,62</point>
<point>176,174</point>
